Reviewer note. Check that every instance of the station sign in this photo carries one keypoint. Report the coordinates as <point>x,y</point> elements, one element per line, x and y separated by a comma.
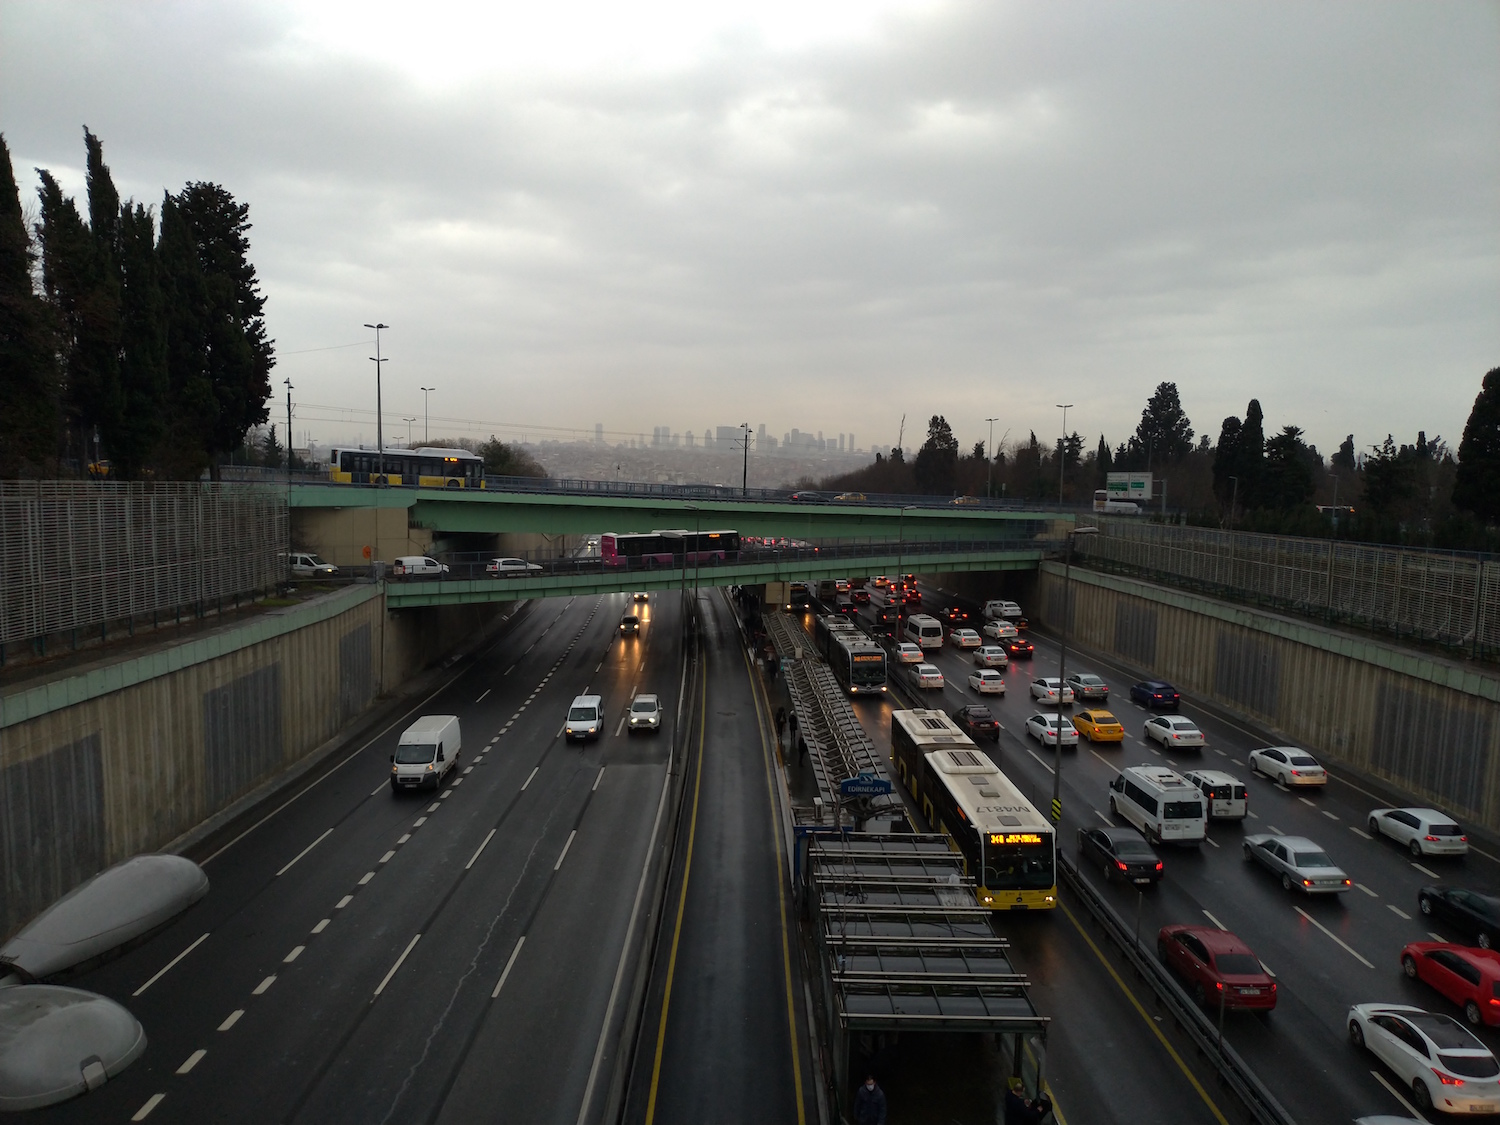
<point>865,785</point>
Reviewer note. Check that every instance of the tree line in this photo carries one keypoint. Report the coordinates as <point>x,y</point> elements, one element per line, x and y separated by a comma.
<point>1418,492</point>
<point>127,335</point>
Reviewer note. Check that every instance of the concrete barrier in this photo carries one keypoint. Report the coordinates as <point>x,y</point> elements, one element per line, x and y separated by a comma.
<point>127,755</point>
<point>1424,724</point>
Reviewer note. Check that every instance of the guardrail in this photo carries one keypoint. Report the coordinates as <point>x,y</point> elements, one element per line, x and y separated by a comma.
<point>1234,1073</point>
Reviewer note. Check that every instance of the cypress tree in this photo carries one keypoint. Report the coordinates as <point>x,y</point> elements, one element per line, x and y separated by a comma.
<point>28,374</point>
<point>1476,486</point>
<point>143,352</point>
<point>192,407</point>
<point>67,259</point>
<point>1227,456</point>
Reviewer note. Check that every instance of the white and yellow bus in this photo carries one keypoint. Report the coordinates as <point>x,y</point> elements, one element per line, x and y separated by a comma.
<point>409,468</point>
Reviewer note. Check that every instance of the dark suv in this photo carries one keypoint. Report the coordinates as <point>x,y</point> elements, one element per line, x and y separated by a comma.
<point>977,722</point>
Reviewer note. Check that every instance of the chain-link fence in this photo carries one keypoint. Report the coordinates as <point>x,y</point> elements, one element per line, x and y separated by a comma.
<point>80,555</point>
<point>1443,597</point>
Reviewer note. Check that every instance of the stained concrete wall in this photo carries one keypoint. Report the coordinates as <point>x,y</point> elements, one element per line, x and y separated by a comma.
<point>128,755</point>
<point>1427,725</point>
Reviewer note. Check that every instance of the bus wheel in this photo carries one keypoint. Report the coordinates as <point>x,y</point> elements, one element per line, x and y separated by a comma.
<point>651,563</point>
<point>453,484</point>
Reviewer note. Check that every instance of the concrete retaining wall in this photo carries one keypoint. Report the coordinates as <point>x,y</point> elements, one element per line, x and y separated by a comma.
<point>126,756</point>
<point>1427,725</point>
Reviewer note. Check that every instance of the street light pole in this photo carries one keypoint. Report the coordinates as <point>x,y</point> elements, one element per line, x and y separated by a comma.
<point>379,432</point>
<point>900,555</point>
<point>745,474</point>
<point>288,383</point>
<point>989,477</point>
<point>1062,456</point>
<point>1062,660</point>
<point>426,416</point>
<point>408,422</point>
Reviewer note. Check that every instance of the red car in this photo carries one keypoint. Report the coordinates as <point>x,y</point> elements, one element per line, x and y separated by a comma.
<point>1017,646</point>
<point>1215,965</point>
<point>1468,977</point>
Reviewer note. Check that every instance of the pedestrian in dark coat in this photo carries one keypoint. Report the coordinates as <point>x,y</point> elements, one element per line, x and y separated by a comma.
<point>780,723</point>
<point>869,1103</point>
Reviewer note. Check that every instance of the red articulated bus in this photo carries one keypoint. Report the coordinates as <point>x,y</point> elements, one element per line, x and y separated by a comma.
<point>668,548</point>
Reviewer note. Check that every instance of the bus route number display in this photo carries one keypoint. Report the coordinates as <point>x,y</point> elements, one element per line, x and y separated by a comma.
<point>998,838</point>
<point>875,659</point>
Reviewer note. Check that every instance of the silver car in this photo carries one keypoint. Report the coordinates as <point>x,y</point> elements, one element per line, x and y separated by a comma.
<point>1423,831</point>
<point>645,713</point>
<point>1087,686</point>
<point>1299,862</point>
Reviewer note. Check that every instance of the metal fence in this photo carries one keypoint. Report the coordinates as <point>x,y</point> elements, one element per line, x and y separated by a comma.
<point>80,555</point>
<point>1447,598</point>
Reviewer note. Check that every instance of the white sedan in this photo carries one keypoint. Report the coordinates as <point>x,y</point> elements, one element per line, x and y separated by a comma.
<point>927,676</point>
<point>1045,729</point>
<point>510,568</point>
<point>1174,732</point>
<point>987,682</point>
<point>1288,765</point>
<point>991,656</point>
<point>964,638</point>
<point>1046,690</point>
<point>1423,831</point>
<point>1001,630</point>
<point>1433,1056</point>
<point>909,653</point>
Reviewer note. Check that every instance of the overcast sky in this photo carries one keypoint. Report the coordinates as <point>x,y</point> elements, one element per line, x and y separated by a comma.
<point>821,216</point>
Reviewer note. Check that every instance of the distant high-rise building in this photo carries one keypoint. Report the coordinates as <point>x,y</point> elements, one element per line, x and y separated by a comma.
<point>841,443</point>
<point>598,433</point>
<point>727,438</point>
<point>760,437</point>
<point>689,440</point>
<point>851,443</point>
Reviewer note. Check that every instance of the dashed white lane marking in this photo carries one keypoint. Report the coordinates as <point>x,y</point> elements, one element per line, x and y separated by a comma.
<point>312,845</point>
<point>1284,789</point>
<point>421,820</point>
<point>321,926</point>
<point>1360,832</point>
<point>145,1111</point>
<point>1424,871</point>
<point>496,739</point>
<point>343,902</point>
<point>520,941</point>
<point>509,670</point>
<point>529,776</point>
<point>1219,752</point>
<point>1306,802</point>
<point>1396,910</point>
<point>445,794</point>
<point>457,782</point>
<point>387,857</point>
<point>468,770</point>
<point>234,1018</point>
<point>1367,890</point>
<point>1215,921</point>
<point>1336,939</point>
<point>1039,761</point>
<point>373,792</point>
<point>1212,841</point>
<point>405,836</point>
<point>191,1061</point>
<point>1104,818</point>
<point>432,808</point>
<point>259,989</point>
<point>481,698</point>
<point>405,953</point>
<point>293,955</point>
<point>1436,937</point>
<point>479,849</point>
<point>597,780</point>
<point>1329,815</point>
<point>1395,1093</point>
<point>1103,759</point>
<point>1269,971</point>
<point>564,854</point>
<point>1253,816</point>
<point>619,729</point>
<point>368,875</point>
<point>1273,830</point>
<point>163,970</point>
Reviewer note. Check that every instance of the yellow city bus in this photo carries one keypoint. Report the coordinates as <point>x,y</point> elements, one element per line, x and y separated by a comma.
<point>1009,848</point>
<point>427,467</point>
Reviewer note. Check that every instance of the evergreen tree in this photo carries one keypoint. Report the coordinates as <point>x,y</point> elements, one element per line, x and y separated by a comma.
<point>1164,431</point>
<point>1104,463</point>
<point>1227,455</point>
<point>1344,458</point>
<point>936,464</point>
<point>28,374</point>
<point>1289,476</point>
<point>192,406</point>
<point>1476,485</point>
<point>67,266</point>
<point>143,353</point>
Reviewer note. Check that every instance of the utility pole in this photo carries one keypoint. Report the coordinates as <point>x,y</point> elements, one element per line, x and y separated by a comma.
<point>989,478</point>
<point>1062,456</point>
<point>1234,497</point>
<point>288,383</point>
<point>426,416</point>
<point>379,432</point>
<point>408,422</point>
<point>745,473</point>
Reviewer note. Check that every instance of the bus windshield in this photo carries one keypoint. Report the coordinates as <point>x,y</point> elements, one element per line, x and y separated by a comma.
<point>1019,866</point>
<point>868,669</point>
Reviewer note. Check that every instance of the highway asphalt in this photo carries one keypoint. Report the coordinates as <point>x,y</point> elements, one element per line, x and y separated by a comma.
<point>1326,953</point>
<point>364,956</point>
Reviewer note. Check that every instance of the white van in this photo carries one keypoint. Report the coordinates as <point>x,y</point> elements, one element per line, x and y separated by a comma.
<point>998,610</point>
<point>419,566</point>
<point>1227,797</point>
<point>428,750</point>
<point>585,718</point>
<point>924,631</point>
<point>1162,803</point>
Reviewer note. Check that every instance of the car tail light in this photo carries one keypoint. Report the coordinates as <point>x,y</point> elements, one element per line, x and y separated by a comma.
<point>1431,839</point>
<point>1447,1079</point>
<point>1463,839</point>
<point>1158,865</point>
<point>1296,773</point>
<point>1273,988</point>
<point>1120,863</point>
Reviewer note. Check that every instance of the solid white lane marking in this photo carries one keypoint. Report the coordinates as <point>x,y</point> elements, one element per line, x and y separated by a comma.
<point>1360,832</point>
<point>234,1018</point>
<point>151,1103</point>
<point>405,836</point>
<point>511,960</point>
<point>1329,815</point>
<point>293,955</point>
<point>421,820</point>
<point>343,902</point>
<point>191,1061</point>
<point>1212,841</point>
<point>529,776</point>
<point>259,989</point>
<point>321,926</point>
<point>1424,871</point>
<point>597,780</point>
<point>566,846</point>
<point>1337,940</point>
<point>1395,1093</point>
<point>1104,818</point>
<point>1306,802</point>
<point>1367,890</point>
<point>163,970</point>
<point>1215,921</point>
<point>1396,910</point>
<point>481,698</point>
<point>311,846</point>
<point>479,849</point>
<point>432,808</point>
<point>404,954</point>
<point>367,877</point>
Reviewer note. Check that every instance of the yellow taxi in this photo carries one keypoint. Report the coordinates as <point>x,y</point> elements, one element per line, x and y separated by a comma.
<point>1099,726</point>
<point>850,496</point>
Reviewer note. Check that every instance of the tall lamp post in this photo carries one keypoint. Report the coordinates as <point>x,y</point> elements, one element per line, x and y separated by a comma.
<point>1062,660</point>
<point>408,422</point>
<point>745,474</point>
<point>1062,459</point>
<point>426,416</point>
<point>989,472</point>
<point>379,432</point>
<point>900,552</point>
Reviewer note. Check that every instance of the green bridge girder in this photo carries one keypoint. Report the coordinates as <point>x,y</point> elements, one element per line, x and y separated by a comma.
<point>586,514</point>
<point>420,593</point>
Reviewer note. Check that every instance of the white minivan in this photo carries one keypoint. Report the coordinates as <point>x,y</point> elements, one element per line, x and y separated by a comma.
<point>428,750</point>
<point>585,718</point>
<point>419,566</point>
<point>1160,802</point>
<point>924,631</point>
<point>1227,797</point>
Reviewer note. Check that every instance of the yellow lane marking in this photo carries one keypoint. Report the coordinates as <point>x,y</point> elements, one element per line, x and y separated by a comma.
<point>687,867</point>
<point>1151,1023</point>
<point>762,709</point>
